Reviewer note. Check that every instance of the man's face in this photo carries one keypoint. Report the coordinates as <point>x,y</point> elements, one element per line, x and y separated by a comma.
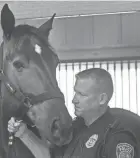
<point>86,96</point>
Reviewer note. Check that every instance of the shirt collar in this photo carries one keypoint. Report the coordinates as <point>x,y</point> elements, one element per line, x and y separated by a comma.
<point>104,119</point>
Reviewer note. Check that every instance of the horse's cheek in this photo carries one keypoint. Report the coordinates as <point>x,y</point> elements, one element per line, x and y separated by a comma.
<point>39,115</point>
<point>29,85</point>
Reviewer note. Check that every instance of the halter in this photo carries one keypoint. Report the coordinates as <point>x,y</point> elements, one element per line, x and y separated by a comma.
<point>26,102</point>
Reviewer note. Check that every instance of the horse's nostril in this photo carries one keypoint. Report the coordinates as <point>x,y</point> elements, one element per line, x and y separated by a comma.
<point>60,135</point>
<point>55,128</point>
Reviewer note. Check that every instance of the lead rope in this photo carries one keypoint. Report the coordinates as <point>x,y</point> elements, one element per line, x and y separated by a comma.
<point>1,105</point>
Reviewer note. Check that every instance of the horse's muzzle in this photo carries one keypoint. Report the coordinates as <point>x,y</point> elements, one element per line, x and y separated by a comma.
<point>57,128</point>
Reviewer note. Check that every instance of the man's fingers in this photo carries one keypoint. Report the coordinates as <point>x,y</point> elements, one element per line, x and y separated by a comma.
<point>12,120</point>
<point>15,126</point>
<point>10,123</point>
<point>11,129</point>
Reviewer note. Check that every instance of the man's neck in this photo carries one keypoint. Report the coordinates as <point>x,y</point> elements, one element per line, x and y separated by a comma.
<point>92,116</point>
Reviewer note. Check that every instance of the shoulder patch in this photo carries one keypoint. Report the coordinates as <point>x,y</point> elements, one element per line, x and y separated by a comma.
<point>124,150</point>
<point>91,141</point>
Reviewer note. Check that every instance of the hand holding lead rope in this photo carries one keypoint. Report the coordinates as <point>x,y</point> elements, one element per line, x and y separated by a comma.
<point>15,128</point>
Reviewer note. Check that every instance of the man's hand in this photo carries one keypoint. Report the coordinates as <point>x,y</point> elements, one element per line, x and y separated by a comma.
<point>38,148</point>
<point>16,127</point>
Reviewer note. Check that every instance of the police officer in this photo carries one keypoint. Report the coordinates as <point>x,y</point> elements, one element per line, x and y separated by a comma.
<point>99,131</point>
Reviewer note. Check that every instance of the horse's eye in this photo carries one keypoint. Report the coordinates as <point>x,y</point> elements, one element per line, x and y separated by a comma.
<point>18,65</point>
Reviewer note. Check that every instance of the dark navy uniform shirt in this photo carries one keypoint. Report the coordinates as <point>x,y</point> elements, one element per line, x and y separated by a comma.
<point>116,134</point>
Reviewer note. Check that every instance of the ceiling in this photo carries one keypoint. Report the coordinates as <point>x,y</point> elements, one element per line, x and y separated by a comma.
<point>43,9</point>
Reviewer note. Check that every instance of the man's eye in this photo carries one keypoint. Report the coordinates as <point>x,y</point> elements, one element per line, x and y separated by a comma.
<point>82,94</point>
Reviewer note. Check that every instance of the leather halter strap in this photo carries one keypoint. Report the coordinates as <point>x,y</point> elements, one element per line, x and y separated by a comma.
<point>26,102</point>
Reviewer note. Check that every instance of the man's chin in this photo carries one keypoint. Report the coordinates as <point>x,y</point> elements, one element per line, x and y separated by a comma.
<point>78,113</point>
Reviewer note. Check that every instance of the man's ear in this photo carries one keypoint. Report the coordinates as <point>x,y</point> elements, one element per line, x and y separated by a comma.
<point>47,26</point>
<point>7,21</point>
<point>103,99</point>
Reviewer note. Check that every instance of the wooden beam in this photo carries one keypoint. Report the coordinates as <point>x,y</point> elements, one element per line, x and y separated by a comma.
<point>92,54</point>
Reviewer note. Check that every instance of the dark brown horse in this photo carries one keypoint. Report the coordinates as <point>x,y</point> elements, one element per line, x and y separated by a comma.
<point>29,65</point>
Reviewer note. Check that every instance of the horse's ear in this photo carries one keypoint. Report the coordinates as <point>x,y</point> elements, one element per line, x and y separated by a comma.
<point>47,26</point>
<point>7,21</point>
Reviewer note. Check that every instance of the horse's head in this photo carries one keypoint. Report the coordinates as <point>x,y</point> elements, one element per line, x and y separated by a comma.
<point>30,65</point>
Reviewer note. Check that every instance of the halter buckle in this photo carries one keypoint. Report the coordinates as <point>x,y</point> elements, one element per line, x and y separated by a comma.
<point>27,102</point>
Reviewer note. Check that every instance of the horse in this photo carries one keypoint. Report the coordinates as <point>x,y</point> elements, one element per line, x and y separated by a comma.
<point>29,88</point>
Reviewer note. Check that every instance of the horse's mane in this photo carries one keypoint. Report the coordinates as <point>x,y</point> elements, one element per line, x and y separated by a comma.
<point>27,31</point>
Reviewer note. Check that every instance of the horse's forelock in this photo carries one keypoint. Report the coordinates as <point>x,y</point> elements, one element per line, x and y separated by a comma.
<point>22,33</point>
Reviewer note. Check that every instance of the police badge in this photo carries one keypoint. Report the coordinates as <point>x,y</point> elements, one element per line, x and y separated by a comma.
<point>91,141</point>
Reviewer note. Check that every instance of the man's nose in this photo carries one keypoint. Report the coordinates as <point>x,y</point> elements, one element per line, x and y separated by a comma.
<point>75,100</point>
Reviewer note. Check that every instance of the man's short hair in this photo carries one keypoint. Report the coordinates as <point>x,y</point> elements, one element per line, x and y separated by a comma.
<point>102,78</point>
